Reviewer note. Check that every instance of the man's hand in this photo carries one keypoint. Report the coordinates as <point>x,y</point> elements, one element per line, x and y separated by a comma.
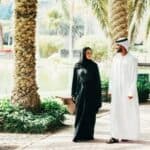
<point>130,97</point>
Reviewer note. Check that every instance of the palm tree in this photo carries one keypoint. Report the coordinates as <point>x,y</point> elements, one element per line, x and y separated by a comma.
<point>147,26</point>
<point>25,87</point>
<point>55,20</point>
<point>113,21</point>
<point>137,10</point>
<point>64,5</point>
<point>147,21</point>
<point>118,19</point>
<point>100,8</point>
<point>120,16</point>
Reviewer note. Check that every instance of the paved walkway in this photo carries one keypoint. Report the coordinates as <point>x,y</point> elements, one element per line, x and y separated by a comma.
<point>62,140</point>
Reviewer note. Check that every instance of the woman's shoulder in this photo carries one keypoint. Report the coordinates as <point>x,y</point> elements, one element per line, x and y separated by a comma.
<point>94,63</point>
<point>77,65</point>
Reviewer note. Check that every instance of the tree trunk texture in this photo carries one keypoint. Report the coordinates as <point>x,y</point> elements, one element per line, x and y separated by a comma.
<point>25,86</point>
<point>118,19</point>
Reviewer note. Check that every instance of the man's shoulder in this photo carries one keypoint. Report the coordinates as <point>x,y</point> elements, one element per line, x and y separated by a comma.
<point>133,58</point>
<point>115,57</point>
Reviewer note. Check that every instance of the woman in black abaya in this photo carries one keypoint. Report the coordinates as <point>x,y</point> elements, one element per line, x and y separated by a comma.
<point>86,92</point>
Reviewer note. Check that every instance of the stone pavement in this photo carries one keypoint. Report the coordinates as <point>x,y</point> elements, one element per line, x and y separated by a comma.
<point>62,139</point>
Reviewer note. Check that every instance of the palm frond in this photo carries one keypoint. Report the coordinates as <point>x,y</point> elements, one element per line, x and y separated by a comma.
<point>140,8</point>
<point>136,13</point>
<point>64,5</point>
<point>132,32</point>
<point>136,8</point>
<point>135,2</point>
<point>147,28</point>
<point>100,9</point>
<point>131,9</point>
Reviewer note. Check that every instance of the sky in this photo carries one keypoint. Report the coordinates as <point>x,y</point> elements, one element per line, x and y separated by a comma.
<point>6,9</point>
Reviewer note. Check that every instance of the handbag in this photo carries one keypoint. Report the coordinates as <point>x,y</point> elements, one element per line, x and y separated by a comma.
<point>69,103</point>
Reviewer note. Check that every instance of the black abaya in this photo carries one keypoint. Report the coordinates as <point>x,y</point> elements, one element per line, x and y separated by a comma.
<point>86,90</point>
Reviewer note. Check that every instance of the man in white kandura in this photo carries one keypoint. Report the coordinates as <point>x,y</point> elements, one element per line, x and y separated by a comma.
<point>124,97</point>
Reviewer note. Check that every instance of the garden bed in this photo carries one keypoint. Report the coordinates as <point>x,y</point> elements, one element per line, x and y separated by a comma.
<point>16,119</point>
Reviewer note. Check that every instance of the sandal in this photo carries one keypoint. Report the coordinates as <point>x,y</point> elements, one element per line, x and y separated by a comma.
<point>112,140</point>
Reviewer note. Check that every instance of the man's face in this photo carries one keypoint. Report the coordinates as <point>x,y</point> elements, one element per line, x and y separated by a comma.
<point>118,48</point>
<point>121,49</point>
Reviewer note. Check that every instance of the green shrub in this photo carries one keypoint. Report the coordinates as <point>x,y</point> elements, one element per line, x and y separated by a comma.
<point>104,86</point>
<point>17,119</point>
<point>100,49</point>
<point>143,86</point>
<point>49,45</point>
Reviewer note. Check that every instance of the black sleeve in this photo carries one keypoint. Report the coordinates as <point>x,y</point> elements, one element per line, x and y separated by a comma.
<point>98,88</point>
<point>74,83</point>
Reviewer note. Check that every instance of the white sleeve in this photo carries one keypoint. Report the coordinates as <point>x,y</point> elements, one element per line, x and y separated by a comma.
<point>110,80</point>
<point>133,86</point>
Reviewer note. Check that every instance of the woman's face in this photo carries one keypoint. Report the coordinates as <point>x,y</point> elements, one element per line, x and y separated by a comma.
<point>88,54</point>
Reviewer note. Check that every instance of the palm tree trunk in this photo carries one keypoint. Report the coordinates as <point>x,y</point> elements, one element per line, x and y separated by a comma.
<point>118,19</point>
<point>25,89</point>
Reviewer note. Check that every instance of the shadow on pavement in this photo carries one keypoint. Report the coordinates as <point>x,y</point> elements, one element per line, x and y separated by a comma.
<point>8,147</point>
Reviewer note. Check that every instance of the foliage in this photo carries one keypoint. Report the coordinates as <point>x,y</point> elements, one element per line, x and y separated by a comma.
<point>147,25</point>
<point>100,9</point>
<point>104,86</point>
<point>99,47</point>
<point>15,118</point>
<point>59,24</point>
<point>78,27</point>
<point>143,85</point>
<point>55,20</point>
<point>137,9</point>
<point>50,44</point>
<point>64,5</point>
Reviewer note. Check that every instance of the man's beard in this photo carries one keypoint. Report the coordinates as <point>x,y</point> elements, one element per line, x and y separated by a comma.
<point>119,50</point>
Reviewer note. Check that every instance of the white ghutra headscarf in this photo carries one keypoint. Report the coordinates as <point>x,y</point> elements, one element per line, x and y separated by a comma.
<point>123,42</point>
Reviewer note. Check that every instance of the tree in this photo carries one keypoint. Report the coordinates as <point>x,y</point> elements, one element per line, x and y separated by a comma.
<point>134,10</point>
<point>137,9</point>
<point>59,24</point>
<point>25,87</point>
<point>64,5</point>
<point>147,26</point>
<point>55,20</point>
<point>113,20</point>
<point>100,9</point>
<point>147,21</point>
<point>118,19</point>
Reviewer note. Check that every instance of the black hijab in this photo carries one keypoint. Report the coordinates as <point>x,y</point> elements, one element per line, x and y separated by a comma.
<point>83,60</point>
